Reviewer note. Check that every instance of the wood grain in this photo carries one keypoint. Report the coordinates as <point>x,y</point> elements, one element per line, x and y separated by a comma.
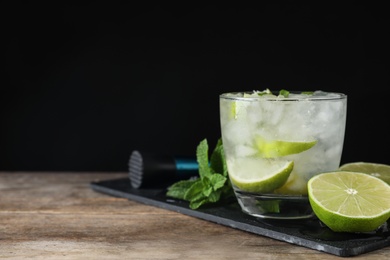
<point>58,216</point>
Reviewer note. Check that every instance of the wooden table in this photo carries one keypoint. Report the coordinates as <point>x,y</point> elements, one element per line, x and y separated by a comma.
<point>58,216</point>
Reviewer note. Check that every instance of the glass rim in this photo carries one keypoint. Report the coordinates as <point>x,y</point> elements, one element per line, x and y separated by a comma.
<point>236,96</point>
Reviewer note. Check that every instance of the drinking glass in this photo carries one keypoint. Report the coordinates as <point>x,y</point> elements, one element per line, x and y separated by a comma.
<point>274,142</point>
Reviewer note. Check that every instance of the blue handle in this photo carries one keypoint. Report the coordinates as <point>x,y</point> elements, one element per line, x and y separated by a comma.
<point>186,166</point>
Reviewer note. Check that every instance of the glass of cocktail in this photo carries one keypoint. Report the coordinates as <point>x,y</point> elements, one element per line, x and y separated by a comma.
<point>274,142</point>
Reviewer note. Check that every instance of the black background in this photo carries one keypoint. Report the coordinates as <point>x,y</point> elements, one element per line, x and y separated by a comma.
<point>85,84</point>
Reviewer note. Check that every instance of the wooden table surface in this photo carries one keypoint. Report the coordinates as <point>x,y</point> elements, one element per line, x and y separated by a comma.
<point>58,216</point>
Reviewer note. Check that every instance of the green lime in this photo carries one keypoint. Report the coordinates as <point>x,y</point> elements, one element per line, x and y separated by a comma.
<point>258,174</point>
<point>238,108</point>
<point>295,185</point>
<point>381,171</point>
<point>277,148</point>
<point>234,110</point>
<point>349,201</point>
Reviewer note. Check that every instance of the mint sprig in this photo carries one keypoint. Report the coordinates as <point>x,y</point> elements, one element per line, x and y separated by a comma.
<point>284,93</point>
<point>213,183</point>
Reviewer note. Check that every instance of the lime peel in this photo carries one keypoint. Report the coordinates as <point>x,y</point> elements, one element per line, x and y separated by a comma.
<point>349,201</point>
<point>260,175</point>
<point>278,148</point>
<point>379,170</point>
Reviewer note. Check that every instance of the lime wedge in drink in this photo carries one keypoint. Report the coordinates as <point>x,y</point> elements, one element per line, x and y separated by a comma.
<point>259,174</point>
<point>349,201</point>
<point>381,171</point>
<point>295,185</point>
<point>238,109</point>
<point>278,148</point>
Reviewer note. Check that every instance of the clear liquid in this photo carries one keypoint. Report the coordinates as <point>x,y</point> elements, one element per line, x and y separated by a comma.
<point>274,206</point>
<point>244,120</point>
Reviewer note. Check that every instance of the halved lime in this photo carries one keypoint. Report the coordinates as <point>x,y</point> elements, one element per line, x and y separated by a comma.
<point>258,174</point>
<point>278,148</point>
<point>349,201</point>
<point>381,171</point>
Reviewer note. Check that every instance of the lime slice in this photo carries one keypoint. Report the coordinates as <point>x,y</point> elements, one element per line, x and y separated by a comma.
<point>234,110</point>
<point>258,174</point>
<point>381,171</point>
<point>349,201</point>
<point>295,185</point>
<point>238,108</point>
<point>277,148</point>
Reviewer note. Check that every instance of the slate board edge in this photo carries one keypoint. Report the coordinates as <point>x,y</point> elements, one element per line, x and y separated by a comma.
<point>344,252</point>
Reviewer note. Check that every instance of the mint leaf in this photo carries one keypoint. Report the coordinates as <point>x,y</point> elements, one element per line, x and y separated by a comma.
<point>264,92</point>
<point>213,183</point>
<point>284,93</point>
<point>195,191</point>
<point>271,206</point>
<point>196,204</point>
<point>217,160</point>
<point>217,181</point>
<point>179,189</point>
<point>215,196</point>
<point>202,157</point>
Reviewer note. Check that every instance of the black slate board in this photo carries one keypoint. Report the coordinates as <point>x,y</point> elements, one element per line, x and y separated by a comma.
<point>307,233</point>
